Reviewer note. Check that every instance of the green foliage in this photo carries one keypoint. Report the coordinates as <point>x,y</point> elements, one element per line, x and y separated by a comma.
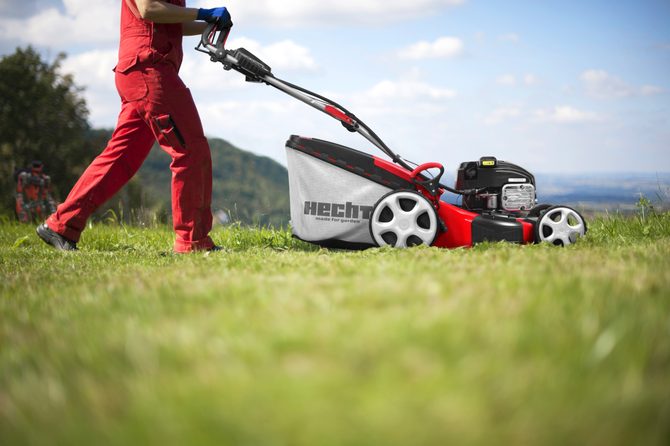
<point>274,341</point>
<point>42,116</point>
<point>644,206</point>
<point>646,225</point>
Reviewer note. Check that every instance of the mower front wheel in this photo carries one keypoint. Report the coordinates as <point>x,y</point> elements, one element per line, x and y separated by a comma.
<point>560,225</point>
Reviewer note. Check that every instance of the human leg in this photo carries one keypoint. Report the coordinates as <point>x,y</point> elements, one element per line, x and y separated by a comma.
<point>170,111</point>
<point>112,169</point>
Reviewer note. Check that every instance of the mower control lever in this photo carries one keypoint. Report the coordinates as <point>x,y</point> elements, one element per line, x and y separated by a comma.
<point>432,185</point>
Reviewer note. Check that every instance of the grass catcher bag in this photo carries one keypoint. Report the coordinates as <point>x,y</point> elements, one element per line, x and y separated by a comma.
<point>333,190</point>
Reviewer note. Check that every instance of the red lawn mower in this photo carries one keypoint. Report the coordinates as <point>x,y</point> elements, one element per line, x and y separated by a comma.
<point>344,198</point>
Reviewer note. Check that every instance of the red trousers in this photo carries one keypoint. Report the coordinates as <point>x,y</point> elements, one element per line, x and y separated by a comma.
<point>155,106</point>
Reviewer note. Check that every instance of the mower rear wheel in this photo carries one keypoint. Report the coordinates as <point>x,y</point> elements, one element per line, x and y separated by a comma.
<point>402,219</point>
<point>560,225</point>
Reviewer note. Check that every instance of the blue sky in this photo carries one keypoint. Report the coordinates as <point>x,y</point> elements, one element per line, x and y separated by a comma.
<point>556,86</point>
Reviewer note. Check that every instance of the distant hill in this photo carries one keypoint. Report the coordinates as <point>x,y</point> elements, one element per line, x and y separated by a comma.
<point>605,190</point>
<point>247,188</point>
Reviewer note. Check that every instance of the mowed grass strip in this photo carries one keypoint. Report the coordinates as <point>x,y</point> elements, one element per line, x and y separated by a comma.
<point>276,342</point>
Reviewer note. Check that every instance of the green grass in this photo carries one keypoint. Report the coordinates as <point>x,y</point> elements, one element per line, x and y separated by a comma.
<point>274,342</point>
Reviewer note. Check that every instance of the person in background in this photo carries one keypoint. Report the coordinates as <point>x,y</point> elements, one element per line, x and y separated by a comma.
<point>33,194</point>
<point>155,106</point>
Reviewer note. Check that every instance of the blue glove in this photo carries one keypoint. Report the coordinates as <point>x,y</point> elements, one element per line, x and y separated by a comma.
<point>214,14</point>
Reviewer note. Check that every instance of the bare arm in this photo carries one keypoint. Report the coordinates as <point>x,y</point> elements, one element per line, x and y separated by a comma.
<point>193,28</point>
<point>158,11</point>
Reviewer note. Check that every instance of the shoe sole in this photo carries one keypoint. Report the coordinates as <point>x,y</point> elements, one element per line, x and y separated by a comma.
<point>49,239</point>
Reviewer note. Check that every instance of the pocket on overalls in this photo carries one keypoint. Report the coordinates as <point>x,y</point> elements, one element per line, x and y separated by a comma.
<point>130,82</point>
<point>166,125</point>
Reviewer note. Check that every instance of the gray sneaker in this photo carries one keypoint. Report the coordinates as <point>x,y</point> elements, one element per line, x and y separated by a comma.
<point>55,239</point>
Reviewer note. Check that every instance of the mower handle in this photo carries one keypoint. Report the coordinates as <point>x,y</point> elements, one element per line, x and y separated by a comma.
<point>214,38</point>
<point>256,70</point>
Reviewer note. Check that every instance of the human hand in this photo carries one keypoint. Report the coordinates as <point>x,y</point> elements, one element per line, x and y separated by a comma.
<point>214,14</point>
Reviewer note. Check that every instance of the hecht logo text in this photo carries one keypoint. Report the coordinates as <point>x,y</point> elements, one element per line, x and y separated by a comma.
<point>338,210</point>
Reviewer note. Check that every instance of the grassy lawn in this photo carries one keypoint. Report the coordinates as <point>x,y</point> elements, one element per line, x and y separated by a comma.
<point>274,342</point>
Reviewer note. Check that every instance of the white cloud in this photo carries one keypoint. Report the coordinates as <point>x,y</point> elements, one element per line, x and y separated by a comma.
<point>506,79</point>
<point>530,79</point>
<point>285,55</point>
<point>82,22</point>
<point>600,84</point>
<point>261,126</point>
<point>502,114</point>
<point>239,114</point>
<point>511,80</point>
<point>93,71</point>
<point>408,90</point>
<point>650,90</point>
<point>201,74</point>
<point>442,48</point>
<point>565,114</point>
<point>94,68</point>
<point>333,12</point>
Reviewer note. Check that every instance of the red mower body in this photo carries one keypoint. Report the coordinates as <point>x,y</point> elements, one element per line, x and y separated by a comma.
<point>464,227</point>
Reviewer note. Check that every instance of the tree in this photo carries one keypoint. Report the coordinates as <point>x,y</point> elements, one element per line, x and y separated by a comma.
<point>42,116</point>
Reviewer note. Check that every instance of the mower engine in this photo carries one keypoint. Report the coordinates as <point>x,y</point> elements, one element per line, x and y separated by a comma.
<point>496,186</point>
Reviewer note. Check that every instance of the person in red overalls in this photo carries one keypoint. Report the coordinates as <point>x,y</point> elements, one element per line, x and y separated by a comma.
<point>33,194</point>
<point>155,106</point>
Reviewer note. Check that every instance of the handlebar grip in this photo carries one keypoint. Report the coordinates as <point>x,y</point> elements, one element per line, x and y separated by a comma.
<point>210,38</point>
<point>223,34</point>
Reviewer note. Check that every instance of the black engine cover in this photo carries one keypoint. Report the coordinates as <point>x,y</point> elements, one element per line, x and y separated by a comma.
<point>488,176</point>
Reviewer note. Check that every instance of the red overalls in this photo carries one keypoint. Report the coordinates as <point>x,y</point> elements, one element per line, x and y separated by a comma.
<point>155,105</point>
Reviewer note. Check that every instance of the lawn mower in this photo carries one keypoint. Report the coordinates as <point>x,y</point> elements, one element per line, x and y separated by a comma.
<point>347,199</point>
